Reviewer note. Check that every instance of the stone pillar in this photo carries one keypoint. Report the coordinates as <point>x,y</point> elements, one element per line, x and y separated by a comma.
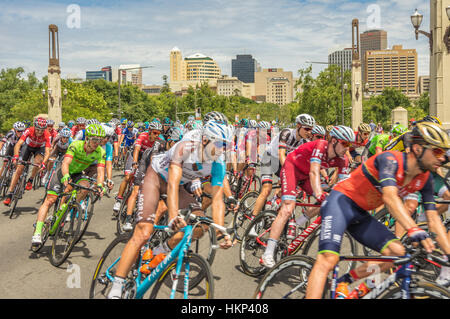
<point>439,63</point>
<point>54,76</point>
<point>400,115</point>
<point>357,87</point>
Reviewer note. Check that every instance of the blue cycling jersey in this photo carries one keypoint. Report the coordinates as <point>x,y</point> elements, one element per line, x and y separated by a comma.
<point>130,136</point>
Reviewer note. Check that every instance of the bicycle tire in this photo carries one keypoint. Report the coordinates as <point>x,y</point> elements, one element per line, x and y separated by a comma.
<point>243,216</point>
<point>70,236</point>
<point>20,187</point>
<point>100,283</point>
<point>163,285</point>
<point>5,179</point>
<point>249,261</point>
<point>122,215</point>
<point>286,280</point>
<point>418,290</point>
<point>86,218</point>
<point>206,245</point>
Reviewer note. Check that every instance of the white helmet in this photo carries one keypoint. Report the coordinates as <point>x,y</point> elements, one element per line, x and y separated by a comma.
<point>252,124</point>
<point>344,133</point>
<point>19,126</point>
<point>305,120</point>
<point>109,131</point>
<point>216,131</point>
<point>264,124</point>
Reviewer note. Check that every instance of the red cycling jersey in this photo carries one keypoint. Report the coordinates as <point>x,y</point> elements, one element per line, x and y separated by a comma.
<point>356,144</point>
<point>144,141</point>
<point>297,166</point>
<point>365,184</point>
<point>30,138</point>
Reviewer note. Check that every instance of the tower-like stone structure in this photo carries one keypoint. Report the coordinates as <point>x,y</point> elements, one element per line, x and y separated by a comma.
<point>357,87</point>
<point>54,75</point>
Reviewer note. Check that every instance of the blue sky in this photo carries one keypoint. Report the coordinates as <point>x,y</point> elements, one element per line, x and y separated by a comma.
<point>282,33</point>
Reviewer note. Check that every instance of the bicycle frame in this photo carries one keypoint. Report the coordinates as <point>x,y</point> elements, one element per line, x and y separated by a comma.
<point>403,272</point>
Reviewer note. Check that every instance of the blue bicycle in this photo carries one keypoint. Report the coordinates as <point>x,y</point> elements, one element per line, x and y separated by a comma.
<point>182,274</point>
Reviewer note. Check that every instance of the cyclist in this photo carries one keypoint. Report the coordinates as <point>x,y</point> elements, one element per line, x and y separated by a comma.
<point>274,158</point>
<point>35,141</point>
<point>318,133</point>
<point>10,140</point>
<point>383,179</point>
<point>362,138</point>
<point>51,130</point>
<point>70,124</point>
<point>59,147</point>
<point>187,160</point>
<point>79,156</point>
<point>128,137</point>
<point>302,166</point>
<point>167,123</point>
<point>144,141</point>
<point>61,125</point>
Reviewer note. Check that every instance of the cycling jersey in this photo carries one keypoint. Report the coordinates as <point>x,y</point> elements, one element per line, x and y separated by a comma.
<point>32,140</point>
<point>53,135</point>
<point>298,164</point>
<point>356,144</point>
<point>365,184</point>
<point>143,140</point>
<point>59,147</point>
<point>10,138</point>
<point>130,136</point>
<point>186,154</point>
<point>80,160</point>
<point>80,136</point>
<point>378,141</point>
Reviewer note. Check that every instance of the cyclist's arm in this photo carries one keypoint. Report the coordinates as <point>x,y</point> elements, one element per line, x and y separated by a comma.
<point>65,166</point>
<point>173,186</point>
<point>314,179</point>
<point>436,226</point>
<point>17,147</point>
<point>46,155</point>
<point>282,155</point>
<point>137,149</point>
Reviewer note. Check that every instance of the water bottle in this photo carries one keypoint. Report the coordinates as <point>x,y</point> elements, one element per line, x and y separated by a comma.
<point>291,229</point>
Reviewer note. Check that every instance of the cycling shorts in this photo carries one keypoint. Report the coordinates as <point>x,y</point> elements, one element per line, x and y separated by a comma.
<point>26,152</point>
<point>269,165</point>
<point>340,214</point>
<point>290,178</point>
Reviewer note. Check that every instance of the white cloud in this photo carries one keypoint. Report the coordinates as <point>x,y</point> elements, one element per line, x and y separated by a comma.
<point>282,33</point>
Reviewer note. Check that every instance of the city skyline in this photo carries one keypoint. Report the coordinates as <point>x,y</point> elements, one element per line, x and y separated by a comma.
<point>283,34</point>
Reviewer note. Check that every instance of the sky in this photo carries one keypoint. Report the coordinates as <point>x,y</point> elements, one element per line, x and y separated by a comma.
<point>278,33</point>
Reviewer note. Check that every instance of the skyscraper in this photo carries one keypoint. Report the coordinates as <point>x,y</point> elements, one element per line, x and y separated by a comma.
<point>244,68</point>
<point>342,57</point>
<point>371,40</point>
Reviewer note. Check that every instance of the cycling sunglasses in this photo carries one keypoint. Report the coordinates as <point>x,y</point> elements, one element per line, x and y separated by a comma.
<point>219,144</point>
<point>155,132</point>
<point>307,129</point>
<point>437,152</point>
<point>97,140</point>
<point>319,136</point>
<point>345,143</point>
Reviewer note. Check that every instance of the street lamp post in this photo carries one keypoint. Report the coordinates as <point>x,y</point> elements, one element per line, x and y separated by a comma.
<point>119,71</point>
<point>416,20</point>
<point>343,86</point>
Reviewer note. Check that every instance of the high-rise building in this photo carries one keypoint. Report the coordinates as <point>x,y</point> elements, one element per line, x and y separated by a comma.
<point>341,57</point>
<point>105,73</point>
<point>395,68</point>
<point>244,68</point>
<point>424,85</point>
<point>371,40</point>
<point>131,73</point>
<point>274,86</point>
<point>177,68</point>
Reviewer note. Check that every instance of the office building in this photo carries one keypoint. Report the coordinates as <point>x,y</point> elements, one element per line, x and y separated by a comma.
<point>341,57</point>
<point>105,73</point>
<point>152,89</point>
<point>371,40</point>
<point>424,84</point>
<point>274,86</point>
<point>244,68</point>
<point>395,68</point>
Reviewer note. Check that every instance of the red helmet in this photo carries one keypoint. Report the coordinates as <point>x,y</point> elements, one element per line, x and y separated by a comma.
<point>40,122</point>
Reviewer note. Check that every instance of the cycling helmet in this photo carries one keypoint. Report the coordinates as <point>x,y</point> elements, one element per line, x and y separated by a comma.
<point>191,118</point>
<point>19,126</point>
<point>65,132</point>
<point>175,134</point>
<point>130,124</point>
<point>109,131</point>
<point>343,133</point>
<point>430,118</point>
<point>70,123</point>
<point>81,120</point>
<point>244,122</point>
<point>329,128</point>
<point>218,131</point>
<point>50,122</point>
<point>429,133</point>
<point>95,130</point>
<point>364,128</point>
<point>155,126</point>
<point>215,116</point>
<point>123,121</point>
<point>189,125</point>
<point>167,121</point>
<point>252,124</point>
<point>146,124</point>
<point>398,129</point>
<point>40,122</point>
<point>61,124</point>
<point>318,130</point>
<point>264,124</point>
<point>305,120</point>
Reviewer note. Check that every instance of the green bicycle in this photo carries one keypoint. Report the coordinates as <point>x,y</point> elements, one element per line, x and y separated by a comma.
<point>66,225</point>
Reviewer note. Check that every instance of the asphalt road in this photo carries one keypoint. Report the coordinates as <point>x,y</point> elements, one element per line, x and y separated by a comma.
<point>26,274</point>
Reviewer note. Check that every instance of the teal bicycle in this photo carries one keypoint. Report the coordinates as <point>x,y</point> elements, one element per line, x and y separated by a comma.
<point>182,274</point>
<point>67,224</point>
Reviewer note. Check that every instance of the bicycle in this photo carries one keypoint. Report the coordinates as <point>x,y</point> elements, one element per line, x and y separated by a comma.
<point>289,278</point>
<point>240,186</point>
<point>66,225</point>
<point>173,276</point>
<point>252,247</point>
<point>56,163</point>
<point>19,190</point>
<point>5,178</point>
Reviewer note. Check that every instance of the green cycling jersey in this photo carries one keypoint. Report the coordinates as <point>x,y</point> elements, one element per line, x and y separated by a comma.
<point>81,160</point>
<point>378,141</point>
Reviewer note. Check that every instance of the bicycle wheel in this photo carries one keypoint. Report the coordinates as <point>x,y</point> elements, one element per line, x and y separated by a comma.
<point>67,234</point>
<point>20,187</point>
<point>252,246</point>
<point>44,234</point>
<point>199,268</point>
<point>349,247</point>
<point>286,280</point>
<point>87,213</point>
<point>206,245</point>
<point>418,290</point>
<point>244,216</point>
<point>107,266</point>
<point>122,216</point>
